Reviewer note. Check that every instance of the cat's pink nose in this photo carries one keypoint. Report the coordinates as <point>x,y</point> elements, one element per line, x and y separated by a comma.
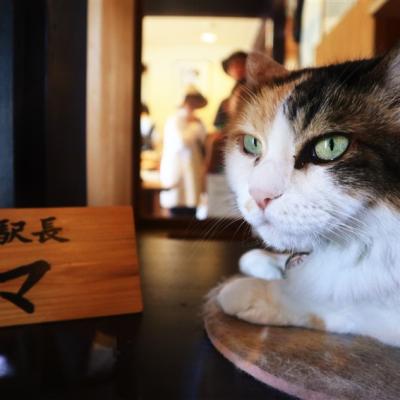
<point>263,203</point>
<point>262,198</point>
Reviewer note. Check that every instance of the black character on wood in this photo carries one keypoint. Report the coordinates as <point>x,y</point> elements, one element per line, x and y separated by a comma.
<point>49,231</point>
<point>35,272</point>
<point>10,231</point>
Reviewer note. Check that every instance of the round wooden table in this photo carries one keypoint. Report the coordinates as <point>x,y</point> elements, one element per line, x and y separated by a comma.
<point>311,365</point>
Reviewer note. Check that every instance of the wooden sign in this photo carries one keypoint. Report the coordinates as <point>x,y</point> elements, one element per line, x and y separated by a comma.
<point>67,263</point>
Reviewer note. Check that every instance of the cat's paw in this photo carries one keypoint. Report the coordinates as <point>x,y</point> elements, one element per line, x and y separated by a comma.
<point>262,264</point>
<point>250,299</point>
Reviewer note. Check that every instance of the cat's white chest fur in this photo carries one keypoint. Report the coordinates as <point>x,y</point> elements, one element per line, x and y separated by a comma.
<point>350,286</point>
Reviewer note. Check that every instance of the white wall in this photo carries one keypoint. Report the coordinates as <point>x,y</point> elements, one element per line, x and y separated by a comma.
<point>172,45</point>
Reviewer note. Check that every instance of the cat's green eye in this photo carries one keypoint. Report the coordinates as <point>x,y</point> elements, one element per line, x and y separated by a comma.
<point>252,145</point>
<point>330,148</point>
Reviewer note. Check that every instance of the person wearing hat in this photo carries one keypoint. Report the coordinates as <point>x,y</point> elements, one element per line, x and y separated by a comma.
<point>235,67</point>
<point>181,168</point>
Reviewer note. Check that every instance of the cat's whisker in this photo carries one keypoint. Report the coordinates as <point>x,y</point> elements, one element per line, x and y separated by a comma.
<point>353,230</point>
<point>217,224</point>
<point>358,227</point>
<point>334,234</point>
<point>347,216</point>
<point>331,206</point>
<point>349,232</point>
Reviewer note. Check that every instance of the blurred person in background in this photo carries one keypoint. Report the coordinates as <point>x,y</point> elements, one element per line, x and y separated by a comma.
<point>147,128</point>
<point>235,67</point>
<point>182,160</point>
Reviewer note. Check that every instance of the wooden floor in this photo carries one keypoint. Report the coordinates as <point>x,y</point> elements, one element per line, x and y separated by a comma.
<point>304,363</point>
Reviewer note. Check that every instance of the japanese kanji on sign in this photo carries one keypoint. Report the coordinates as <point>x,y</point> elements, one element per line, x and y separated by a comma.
<point>67,263</point>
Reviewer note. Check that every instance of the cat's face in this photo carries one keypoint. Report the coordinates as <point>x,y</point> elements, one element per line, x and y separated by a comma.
<point>310,152</point>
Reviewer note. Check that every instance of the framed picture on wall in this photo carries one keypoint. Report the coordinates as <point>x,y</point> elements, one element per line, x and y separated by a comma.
<point>192,73</point>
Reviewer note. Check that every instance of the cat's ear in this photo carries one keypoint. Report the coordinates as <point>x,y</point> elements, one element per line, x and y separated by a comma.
<point>260,69</point>
<point>391,62</point>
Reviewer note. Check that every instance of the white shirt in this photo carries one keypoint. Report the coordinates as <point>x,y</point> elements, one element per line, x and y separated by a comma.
<point>182,161</point>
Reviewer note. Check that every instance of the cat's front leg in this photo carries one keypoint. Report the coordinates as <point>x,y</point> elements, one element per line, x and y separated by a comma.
<point>272,303</point>
<point>263,264</point>
<point>263,302</point>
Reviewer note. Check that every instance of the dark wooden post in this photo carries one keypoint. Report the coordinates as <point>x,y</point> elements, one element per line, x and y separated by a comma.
<point>279,17</point>
<point>6,105</point>
<point>66,103</point>
<point>42,98</point>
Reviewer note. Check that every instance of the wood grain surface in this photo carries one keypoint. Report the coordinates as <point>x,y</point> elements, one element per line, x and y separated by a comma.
<point>94,273</point>
<point>305,363</point>
<point>356,28</point>
<point>110,102</point>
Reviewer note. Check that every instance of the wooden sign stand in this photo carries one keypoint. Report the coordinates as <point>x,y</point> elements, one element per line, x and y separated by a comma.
<point>67,263</point>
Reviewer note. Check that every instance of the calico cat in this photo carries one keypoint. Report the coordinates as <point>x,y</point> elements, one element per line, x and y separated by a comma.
<point>313,158</point>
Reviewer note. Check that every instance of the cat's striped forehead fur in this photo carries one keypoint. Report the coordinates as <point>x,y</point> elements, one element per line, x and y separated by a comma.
<point>360,99</point>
